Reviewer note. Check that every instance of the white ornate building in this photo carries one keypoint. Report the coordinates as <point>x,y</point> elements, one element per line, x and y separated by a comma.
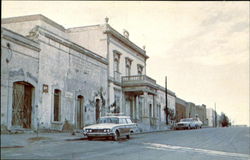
<point>131,91</point>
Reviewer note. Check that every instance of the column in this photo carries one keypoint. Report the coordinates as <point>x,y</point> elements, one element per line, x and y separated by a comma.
<point>144,107</point>
<point>137,107</point>
<point>154,111</point>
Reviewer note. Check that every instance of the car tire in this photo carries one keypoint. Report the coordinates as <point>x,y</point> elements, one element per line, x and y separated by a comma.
<point>128,136</point>
<point>90,138</point>
<point>116,136</point>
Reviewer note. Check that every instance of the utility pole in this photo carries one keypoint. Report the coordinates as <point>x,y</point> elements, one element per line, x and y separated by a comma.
<point>166,99</point>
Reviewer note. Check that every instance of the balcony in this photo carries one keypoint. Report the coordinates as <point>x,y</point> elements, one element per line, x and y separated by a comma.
<point>139,83</point>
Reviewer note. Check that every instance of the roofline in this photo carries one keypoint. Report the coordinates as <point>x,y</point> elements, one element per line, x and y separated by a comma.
<point>177,98</point>
<point>129,43</point>
<point>72,45</point>
<point>20,39</point>
<point>163,89</point>
<point>81,27</point>
<point>32,18</point>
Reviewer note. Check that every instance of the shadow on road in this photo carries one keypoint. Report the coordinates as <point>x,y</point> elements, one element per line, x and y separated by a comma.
<point>97,139</point>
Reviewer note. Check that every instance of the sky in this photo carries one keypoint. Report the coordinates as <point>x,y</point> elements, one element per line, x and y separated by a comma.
<point>202,47</point>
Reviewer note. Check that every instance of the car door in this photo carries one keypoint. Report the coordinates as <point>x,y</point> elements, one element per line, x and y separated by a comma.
<point>122,126</point>
<point>130,125</point>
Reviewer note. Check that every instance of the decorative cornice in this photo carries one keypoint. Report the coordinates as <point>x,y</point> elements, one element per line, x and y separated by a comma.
<point>19,39</point>
<point>126,41</point>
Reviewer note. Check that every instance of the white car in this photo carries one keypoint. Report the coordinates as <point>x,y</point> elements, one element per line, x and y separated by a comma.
<point>189,123</point>
<point>111,126</point>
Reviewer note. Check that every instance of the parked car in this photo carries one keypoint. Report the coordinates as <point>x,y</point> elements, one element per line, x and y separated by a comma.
<point>189,123</point>
<point>111,126</point>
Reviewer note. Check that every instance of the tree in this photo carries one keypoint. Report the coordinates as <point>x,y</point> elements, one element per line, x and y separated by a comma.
<point>224,120</point>
<point>170,113</point>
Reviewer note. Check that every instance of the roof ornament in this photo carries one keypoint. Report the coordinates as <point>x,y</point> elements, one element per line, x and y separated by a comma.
<point>106,20</point>
<point>144,47</point>
<point>125,33</point>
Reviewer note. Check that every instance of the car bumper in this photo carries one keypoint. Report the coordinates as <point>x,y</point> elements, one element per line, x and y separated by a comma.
<point>99,134</point>
<point>181,127</point>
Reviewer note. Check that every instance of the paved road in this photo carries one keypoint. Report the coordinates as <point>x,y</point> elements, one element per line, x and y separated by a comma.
<point>202,144</point>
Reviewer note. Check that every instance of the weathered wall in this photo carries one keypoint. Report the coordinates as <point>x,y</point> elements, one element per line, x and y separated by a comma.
<point>74,74</point>
<point>181,106</point>
<point>90,37</point>
<point>211,117</point>
<point>201,112</point>
<point>22,65</point>
<point>61,65</point>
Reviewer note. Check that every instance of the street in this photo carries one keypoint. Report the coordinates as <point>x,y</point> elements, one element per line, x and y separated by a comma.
<point>202,144</point>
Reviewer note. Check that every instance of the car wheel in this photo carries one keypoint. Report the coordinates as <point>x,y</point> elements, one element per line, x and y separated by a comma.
<point>90,138</point>
<point>128,136</point>
<point>116,136</point>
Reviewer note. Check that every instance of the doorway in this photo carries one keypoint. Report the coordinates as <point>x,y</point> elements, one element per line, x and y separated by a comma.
<point>22,105</point>
<point>79,112</point>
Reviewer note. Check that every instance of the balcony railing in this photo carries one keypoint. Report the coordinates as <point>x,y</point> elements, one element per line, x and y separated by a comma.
<point>138,78</point>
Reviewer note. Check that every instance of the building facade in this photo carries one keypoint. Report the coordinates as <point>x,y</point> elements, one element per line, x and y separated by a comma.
<point>201,112</point>
<point>47,80</point>
<point>130,90</point>
<point>193,111</point>
<point>211,117</point>
<point>52,76</point>
<point>181,107</point>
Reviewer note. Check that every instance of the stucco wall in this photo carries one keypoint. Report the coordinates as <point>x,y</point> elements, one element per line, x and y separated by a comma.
<point>22,65</point>
<point>74,74</point>
<point>91,37</point>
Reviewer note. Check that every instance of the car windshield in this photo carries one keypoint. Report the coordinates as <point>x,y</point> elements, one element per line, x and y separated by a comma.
<point>186,120</point>
<point>108,120</point>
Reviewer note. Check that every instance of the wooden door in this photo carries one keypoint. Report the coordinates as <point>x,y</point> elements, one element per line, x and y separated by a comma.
<point>22,105</point>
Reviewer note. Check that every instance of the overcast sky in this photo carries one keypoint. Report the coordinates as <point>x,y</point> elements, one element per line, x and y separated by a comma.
<point>203,47</point>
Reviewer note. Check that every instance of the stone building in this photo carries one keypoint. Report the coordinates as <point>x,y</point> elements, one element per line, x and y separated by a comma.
<point>75,75</point>
<point>196,111</point>
<point>130,90</point>
<point>201,113</point>
<point>211,117</point>
<point>181,107</point>
<point>47,79</point>
<point>161,105</point>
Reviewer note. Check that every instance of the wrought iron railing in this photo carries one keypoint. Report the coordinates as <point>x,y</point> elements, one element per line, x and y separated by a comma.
<point>138,78</point>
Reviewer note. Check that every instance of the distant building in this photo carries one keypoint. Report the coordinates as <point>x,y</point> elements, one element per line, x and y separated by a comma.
<point>191,110</point>
<point>181,107</point>
<point>201,113</point>
<point>211,117</point>
<point>197,111</point>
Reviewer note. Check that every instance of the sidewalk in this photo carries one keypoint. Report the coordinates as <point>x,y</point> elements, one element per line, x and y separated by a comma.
<point>20,140</point>
<point>24,139</point>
